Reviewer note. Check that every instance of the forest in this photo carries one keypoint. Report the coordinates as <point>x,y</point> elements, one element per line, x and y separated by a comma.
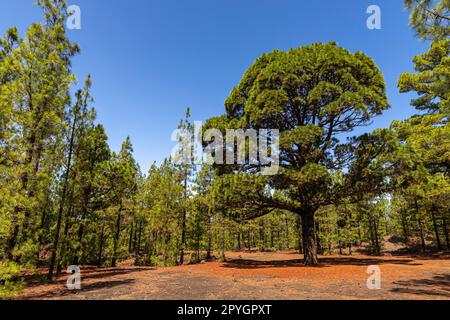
<point>67,199</point>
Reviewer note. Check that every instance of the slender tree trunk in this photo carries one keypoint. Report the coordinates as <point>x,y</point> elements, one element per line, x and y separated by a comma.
<point>262,237</point>
<point>135,239</point>
<point>436,230</point>
<point>222,222</point>
<point>377,240</point>
<point>100,247</point>
<point>309,244</point>
<point>208,251</point>
<point>299,234</point>
<point>130,240</point>
<point>419,221</point>
<point>287,232</point>
<point>65,240</point>
<point>86,196</point>
<point>183,222</point>
<point>24,177</point>
<point>139,239</point>
<point>359,231</point>
<point>339,240</point>
<point>116,237</point>
<point>405,229</point>
<point>447,238</point>
<point>62,201</point>
<point>317,236</point>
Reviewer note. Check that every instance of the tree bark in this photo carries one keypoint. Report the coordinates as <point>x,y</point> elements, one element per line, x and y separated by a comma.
<point>405,229</point>
<point>208,251</point>
<point>116,237</point>
<point>447,238</point>
<point>100,250</point>
<point>419,221</point>
<point>63,199</point>
<point>436,231</point>
<point>299,234</point>
<point>183,222</point>
<point>309,243</point>
<point>130,240</point>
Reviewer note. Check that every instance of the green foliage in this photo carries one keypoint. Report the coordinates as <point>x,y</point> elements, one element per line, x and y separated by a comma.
<point>432,80</point>
<point>311,94</point>
<point>430,19</point>
<point>10,286</point>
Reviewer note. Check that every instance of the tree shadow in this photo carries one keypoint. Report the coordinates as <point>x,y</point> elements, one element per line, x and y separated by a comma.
<point>86,273</point>
<point>437,286</point>
<point>84,289</point>
<point>417,254</point>
<point>323,262</point>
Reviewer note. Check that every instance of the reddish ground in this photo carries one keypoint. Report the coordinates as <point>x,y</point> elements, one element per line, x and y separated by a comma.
<point>261,276</point>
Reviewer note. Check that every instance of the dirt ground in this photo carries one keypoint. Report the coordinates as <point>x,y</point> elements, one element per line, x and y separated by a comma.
<point>261,276</point>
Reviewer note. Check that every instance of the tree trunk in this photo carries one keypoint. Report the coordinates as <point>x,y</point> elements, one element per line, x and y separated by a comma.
<point>130,240</point>
<point>208,251</point>
<point>447,238</point>
<point>309,244</point>
<point>64,241</point>
<point>24,177</point>
<point>299,234</point>
<point>183,222</point>
<point>317,235</point>
<point>262,238</point>
<point>377,240</point>
<point>139,239</point>
<point>286,221</point>
<point>63,199</point>
<point>405,229</point>
<point>116,238</point>
<point>100,249</point>
<point>419,221</point>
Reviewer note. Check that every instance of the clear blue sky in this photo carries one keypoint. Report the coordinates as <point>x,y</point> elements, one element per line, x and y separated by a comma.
<point>149,59</point>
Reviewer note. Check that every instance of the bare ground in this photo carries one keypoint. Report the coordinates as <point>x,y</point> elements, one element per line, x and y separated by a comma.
<point>260,276</point>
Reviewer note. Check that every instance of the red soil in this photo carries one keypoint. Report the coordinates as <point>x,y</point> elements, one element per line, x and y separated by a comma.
<point>261,276</point>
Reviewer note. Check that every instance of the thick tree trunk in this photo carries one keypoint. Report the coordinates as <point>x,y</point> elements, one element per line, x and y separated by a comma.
<point>309,243</point>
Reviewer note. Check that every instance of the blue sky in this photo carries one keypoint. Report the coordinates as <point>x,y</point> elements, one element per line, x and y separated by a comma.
<point>149,60</point>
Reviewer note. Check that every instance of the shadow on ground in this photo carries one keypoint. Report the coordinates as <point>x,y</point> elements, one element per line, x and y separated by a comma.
<point>87,273</point>
<point>324,262</point>
<point>437,286</point>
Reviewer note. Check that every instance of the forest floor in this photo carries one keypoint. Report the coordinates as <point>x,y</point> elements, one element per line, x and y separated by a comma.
<point>260,276</point>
